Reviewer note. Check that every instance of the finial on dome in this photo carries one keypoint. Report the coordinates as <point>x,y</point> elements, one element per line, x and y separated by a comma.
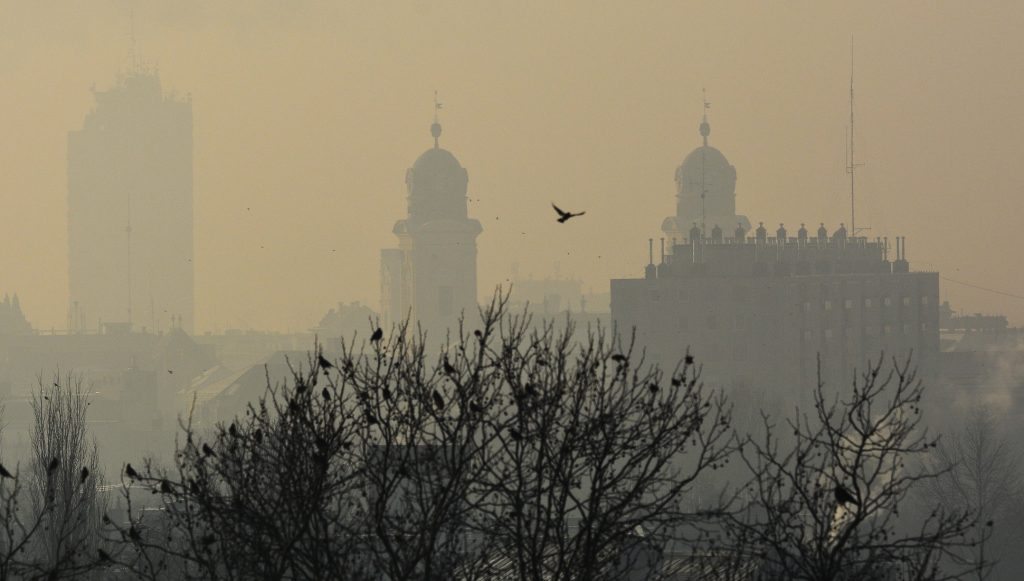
<point>705,127</point>
<point>435,127</point>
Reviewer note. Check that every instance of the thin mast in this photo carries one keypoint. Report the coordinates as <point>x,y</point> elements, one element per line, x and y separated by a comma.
<point>852,165</point>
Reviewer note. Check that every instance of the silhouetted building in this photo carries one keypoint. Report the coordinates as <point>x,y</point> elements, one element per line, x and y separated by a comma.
<point>763,311</point>
<point>12,320</point>
<point>431,276</point>
<point>130,209</point>
<point>705,192</point>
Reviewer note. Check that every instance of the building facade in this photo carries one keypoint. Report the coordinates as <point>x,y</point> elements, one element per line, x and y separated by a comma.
<point>130,222</point>
<point>767,310</point>
<point>430,278</point>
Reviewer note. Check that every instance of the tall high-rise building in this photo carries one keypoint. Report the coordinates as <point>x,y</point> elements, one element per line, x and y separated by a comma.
<point>130,220</point>
<point>431,276</point>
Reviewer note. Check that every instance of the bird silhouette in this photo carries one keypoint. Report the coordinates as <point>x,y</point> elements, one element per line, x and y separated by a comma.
<point>384,391</point>
<point>326,394</point>
<point>378,334</point>
<point>844,496</point>
<point>207,450</point>
<point>233,431</point>
<point>619,358</point>
<point>165,487</point>
<point>564,216</point>
<point>5,473</point>
<point>688,360</point>
<point>475,407</point>
<point>130,472</point>
<point>448,369</point>
<point>324,363</point>
<point>54,464</point>
<point>438,400</point>
<point>515,434</point>
<point>85,473</point>
<point>653,388</point>
<point>259,436</point>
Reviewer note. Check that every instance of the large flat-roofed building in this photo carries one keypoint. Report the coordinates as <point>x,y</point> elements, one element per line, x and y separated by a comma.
<point>763,310</point>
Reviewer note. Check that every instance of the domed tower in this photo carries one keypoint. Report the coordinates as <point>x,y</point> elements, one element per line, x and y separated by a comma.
<point>431,276</point>
<point>705,191</point>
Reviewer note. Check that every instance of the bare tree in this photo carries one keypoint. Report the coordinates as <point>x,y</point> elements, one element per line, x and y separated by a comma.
<point>63,472</point>
<point>594,454</point>
<point>827,490</point>
<point>395,461</point>
<point>980,472</point>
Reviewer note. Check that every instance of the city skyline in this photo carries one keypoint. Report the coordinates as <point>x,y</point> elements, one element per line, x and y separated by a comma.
<point>301,154</point>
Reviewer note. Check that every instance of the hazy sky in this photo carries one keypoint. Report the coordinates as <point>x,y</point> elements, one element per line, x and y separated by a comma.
<point>310,112</point>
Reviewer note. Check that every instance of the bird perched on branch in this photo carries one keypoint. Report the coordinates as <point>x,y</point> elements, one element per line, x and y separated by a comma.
<point>378,334</point>
<point>85,473</point>
<point>130,472</point>
<point>324,363</point>
<point>207,450</point>
<point>564,216</point>
<point>844,496</point>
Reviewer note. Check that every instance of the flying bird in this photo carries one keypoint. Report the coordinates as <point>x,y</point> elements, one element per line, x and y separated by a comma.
<point>378,334</point>
<point>564,216</point>
<point>844,496</point>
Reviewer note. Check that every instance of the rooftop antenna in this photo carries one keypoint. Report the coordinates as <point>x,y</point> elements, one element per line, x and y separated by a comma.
<point>705,130</point>
<point>851,164</point>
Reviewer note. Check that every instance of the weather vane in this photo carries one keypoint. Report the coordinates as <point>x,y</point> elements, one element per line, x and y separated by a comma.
<point>438,105</point>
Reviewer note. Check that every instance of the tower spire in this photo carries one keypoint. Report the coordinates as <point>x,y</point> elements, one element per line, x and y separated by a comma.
<point>435,127</point>
<point>705,127</point>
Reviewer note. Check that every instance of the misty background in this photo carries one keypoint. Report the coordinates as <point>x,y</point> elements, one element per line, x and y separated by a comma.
<point>308,113</point>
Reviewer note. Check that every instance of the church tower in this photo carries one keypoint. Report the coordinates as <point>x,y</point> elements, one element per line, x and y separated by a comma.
<point>705,191</point>
<point>431,276</point>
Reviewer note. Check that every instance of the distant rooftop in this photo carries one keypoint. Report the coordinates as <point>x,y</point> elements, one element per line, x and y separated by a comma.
<point>715,254</point>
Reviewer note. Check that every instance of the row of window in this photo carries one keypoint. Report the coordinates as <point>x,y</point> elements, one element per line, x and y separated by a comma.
<point>870,331</point>
<point>709,294</point>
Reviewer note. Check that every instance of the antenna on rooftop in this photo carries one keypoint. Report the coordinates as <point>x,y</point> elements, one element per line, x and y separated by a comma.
<point>851,164</point>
